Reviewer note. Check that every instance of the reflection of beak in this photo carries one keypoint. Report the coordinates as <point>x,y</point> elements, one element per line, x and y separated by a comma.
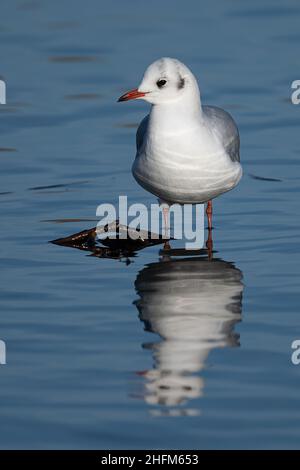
<point>132,95</point>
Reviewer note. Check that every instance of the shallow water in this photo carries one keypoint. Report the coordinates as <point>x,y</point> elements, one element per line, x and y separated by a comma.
<point>166,351</point>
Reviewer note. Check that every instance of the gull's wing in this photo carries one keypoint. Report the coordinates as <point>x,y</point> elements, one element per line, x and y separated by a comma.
<point>140,133</point>
<point>224,126</point>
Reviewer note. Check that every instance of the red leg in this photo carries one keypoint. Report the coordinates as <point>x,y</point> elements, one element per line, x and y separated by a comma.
<point>166,228</point>
<point>209,242</point>
<point>209,214</point>
<point>166,216</point>
<point>166,220</point>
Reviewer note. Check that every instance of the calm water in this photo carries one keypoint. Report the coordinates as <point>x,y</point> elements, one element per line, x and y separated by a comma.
<point>164,352</point>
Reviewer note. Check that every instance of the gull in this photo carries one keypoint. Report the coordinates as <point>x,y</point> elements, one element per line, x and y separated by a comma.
<point>186,153</point>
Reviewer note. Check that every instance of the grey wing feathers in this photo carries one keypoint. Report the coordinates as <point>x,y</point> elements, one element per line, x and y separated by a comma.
<point>224,125</point>
<point>141,132</point>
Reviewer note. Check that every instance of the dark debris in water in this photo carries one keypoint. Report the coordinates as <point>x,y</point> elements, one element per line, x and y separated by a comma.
<point>7,149</point>
<point>56,186</point>
<point>83,96</point>
<point>263,178</point>
<point>62,25</point>
<point>66,221</point>
<point>128,125</point>
<point>116,247</point>
<point>70,59</point>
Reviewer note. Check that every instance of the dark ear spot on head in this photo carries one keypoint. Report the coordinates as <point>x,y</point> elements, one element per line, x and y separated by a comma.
<point>180,83</point>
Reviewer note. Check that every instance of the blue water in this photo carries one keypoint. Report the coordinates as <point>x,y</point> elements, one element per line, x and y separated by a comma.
<point>166,351</point>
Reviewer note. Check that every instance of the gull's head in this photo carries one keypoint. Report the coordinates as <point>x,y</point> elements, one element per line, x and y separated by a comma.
<point>165,81</point>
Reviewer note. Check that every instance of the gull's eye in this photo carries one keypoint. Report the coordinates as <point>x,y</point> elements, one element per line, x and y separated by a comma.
<point>161,83</point>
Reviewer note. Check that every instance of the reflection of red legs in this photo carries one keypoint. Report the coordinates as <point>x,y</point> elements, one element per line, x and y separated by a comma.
<point>209,244</point>
<point>209,241</point>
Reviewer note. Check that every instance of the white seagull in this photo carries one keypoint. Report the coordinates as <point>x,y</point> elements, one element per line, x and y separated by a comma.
<point>186,153</point>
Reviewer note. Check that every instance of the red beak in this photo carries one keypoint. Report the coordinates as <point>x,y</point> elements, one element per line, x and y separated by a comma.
<point>131,95</point>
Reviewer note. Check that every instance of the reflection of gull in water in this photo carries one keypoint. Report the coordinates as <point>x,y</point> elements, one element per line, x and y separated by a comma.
<point>193,304</point>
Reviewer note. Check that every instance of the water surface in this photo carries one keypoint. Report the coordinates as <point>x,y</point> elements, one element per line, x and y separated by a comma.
<point>166,351</point>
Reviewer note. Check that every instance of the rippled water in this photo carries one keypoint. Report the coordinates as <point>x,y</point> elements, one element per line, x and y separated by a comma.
<point>166,351</point>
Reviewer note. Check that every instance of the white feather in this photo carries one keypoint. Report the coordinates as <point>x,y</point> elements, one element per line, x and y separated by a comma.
<point>186,153</point>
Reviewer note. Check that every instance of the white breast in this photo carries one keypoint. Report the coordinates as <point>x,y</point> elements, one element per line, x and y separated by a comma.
<point>189,167</point>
